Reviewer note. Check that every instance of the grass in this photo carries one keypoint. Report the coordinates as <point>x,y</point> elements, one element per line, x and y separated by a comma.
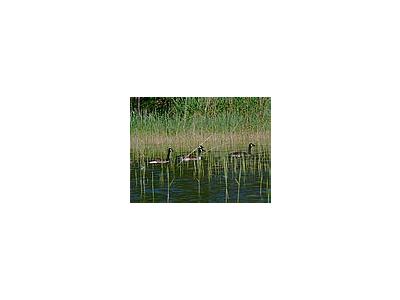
<point>227,121</point>
<point>218,114</point>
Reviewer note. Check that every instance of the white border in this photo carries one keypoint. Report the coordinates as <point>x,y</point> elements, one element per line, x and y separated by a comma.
<point>68,230</point>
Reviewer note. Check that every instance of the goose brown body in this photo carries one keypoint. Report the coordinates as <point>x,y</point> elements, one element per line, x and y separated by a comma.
<point>242,153</point>
<point>190,157</point>
<point>161,161</point>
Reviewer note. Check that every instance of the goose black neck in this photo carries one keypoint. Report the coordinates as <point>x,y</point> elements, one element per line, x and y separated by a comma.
<point>249,148</point>
<point>168,155</point>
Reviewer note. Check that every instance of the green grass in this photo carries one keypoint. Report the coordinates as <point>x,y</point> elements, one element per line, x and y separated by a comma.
<point>206,114</point>
<point>219,121</point>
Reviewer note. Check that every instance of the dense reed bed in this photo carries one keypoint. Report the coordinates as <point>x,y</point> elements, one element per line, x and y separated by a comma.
<point>189,121</point>
<point>208,114</point>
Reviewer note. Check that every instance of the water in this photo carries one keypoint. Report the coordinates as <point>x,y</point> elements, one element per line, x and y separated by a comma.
<point>217,179</point>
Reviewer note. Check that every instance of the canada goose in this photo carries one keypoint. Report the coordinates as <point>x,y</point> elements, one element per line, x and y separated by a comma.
<point>160,161</point>
<point>242,153</point>
<point>192,156</point>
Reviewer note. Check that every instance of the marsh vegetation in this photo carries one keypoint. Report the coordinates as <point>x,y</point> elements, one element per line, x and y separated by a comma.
<point>221,126</point>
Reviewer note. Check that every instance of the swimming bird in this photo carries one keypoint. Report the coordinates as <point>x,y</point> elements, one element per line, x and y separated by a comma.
<point>160,161</point>
<point>242,153</point>
<point>192,156</point>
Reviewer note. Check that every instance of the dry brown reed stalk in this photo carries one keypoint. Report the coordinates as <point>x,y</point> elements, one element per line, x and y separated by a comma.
<point>156,143</point>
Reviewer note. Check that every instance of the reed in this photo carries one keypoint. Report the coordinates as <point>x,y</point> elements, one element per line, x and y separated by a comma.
<point>143,169</point>
<point>217,114</point>
<point>225,121</point>
<point>225,164</point>
<point>152,184</point>
<point>156,144</point>
<point>238,184</point>
<point>216,167</point>
<point>136,182</point>
<point>168,185</point>
<point>162,176</point>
